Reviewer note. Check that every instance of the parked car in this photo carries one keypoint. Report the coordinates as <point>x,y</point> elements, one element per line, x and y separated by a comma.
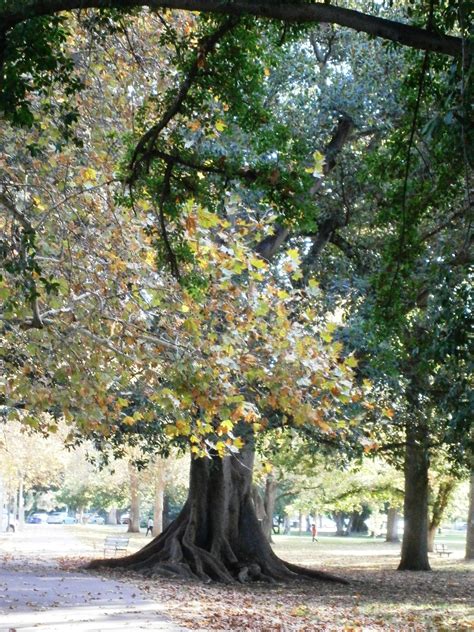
<point>70,520</point>
<point>38,517</point>
<point>96,519</point>
<point>57,517</point>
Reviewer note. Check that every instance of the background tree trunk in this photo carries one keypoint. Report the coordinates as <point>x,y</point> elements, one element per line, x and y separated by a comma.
<point>439,507</point>
<point>470,522</point>
<point>392,525</point>
<point>21,503</point>
<point>269,506</point>
<point>217,535</point>
<point>134,521</point>
<point>338,518</point>
<point>112,516</point>
<point>158,502</point>
<point>415,535</point>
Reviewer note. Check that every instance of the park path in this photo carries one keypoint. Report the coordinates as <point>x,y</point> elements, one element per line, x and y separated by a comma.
<point>36,594</point>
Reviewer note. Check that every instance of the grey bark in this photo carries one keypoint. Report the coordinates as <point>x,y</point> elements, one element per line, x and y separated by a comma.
<point>392,525</point>
<point>415,536</point>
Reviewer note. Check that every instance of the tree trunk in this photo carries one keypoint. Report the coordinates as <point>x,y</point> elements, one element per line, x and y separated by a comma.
<point>470,523</point>
<point>439,507</point>
<point>134,520</point>
<point>160,470</point>
<point>21,504</point>
<point>286,525</point>
<point>350,523</point>
<point>392,525</point>
<point>112,516</point>
<point>217,535</point>
<point>269,505</point>
<point>415,536</point>
<point>338,518</point>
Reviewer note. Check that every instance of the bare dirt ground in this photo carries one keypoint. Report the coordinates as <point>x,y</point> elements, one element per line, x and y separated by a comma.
<point>378,597</point>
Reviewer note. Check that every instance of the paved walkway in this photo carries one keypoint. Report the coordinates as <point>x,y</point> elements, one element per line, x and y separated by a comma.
<point>37,595</point>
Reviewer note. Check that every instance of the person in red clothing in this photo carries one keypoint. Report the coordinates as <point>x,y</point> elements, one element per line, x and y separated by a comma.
<point>314,532</point>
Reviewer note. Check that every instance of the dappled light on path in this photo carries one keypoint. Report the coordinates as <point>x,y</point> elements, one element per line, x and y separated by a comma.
<point>37,592</point>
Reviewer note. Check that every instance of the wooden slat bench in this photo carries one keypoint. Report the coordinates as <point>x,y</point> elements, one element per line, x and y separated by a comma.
<point>442,549</point>
<point>115,543</point>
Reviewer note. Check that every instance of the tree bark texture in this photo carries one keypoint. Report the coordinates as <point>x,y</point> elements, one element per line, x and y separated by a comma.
<point>392,525</point>
<point>415,536</point>
<point>470,522</point>
<point>134,520</point>
<point>439,507</point>
<point>217,535</point>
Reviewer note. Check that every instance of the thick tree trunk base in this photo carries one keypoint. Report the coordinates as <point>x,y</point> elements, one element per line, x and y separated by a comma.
<point>175,553</point>
<point>217,536</point>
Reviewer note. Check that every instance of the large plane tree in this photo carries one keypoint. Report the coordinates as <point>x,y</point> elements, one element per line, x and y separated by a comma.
<point>204,145</point>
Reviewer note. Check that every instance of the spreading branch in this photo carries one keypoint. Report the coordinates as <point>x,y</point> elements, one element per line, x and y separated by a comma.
<point>269,246</point>
<point>165,193</point>
<point>144,150</point>
<point>14,12</point>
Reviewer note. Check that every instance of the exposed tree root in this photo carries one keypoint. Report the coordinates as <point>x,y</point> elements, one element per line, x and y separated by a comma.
<point>217,536</point>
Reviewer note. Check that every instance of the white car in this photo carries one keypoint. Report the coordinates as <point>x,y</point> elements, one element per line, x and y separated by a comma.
<point>57,517</point>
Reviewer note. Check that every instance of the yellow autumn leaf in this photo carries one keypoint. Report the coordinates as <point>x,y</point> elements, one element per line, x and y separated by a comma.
<point>89,174</point>
<point>226,426</point>
<point>207,219</point>
<point>39,204</point>
<point>150,258</point>
<point>351,361</point>
<point>258,263</point>
<point>220,125</point>
<point>221,448</point>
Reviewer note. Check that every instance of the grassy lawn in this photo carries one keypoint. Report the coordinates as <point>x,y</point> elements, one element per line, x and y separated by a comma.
<point>378,597</point>
<point>93,536</point>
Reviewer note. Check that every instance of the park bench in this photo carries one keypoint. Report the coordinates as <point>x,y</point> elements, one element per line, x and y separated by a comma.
<point>442,549</point>
<point>115,543</point>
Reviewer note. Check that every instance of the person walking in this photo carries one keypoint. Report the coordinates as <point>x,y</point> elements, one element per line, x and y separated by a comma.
<point>314,532</point>
<point>149,527</point>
